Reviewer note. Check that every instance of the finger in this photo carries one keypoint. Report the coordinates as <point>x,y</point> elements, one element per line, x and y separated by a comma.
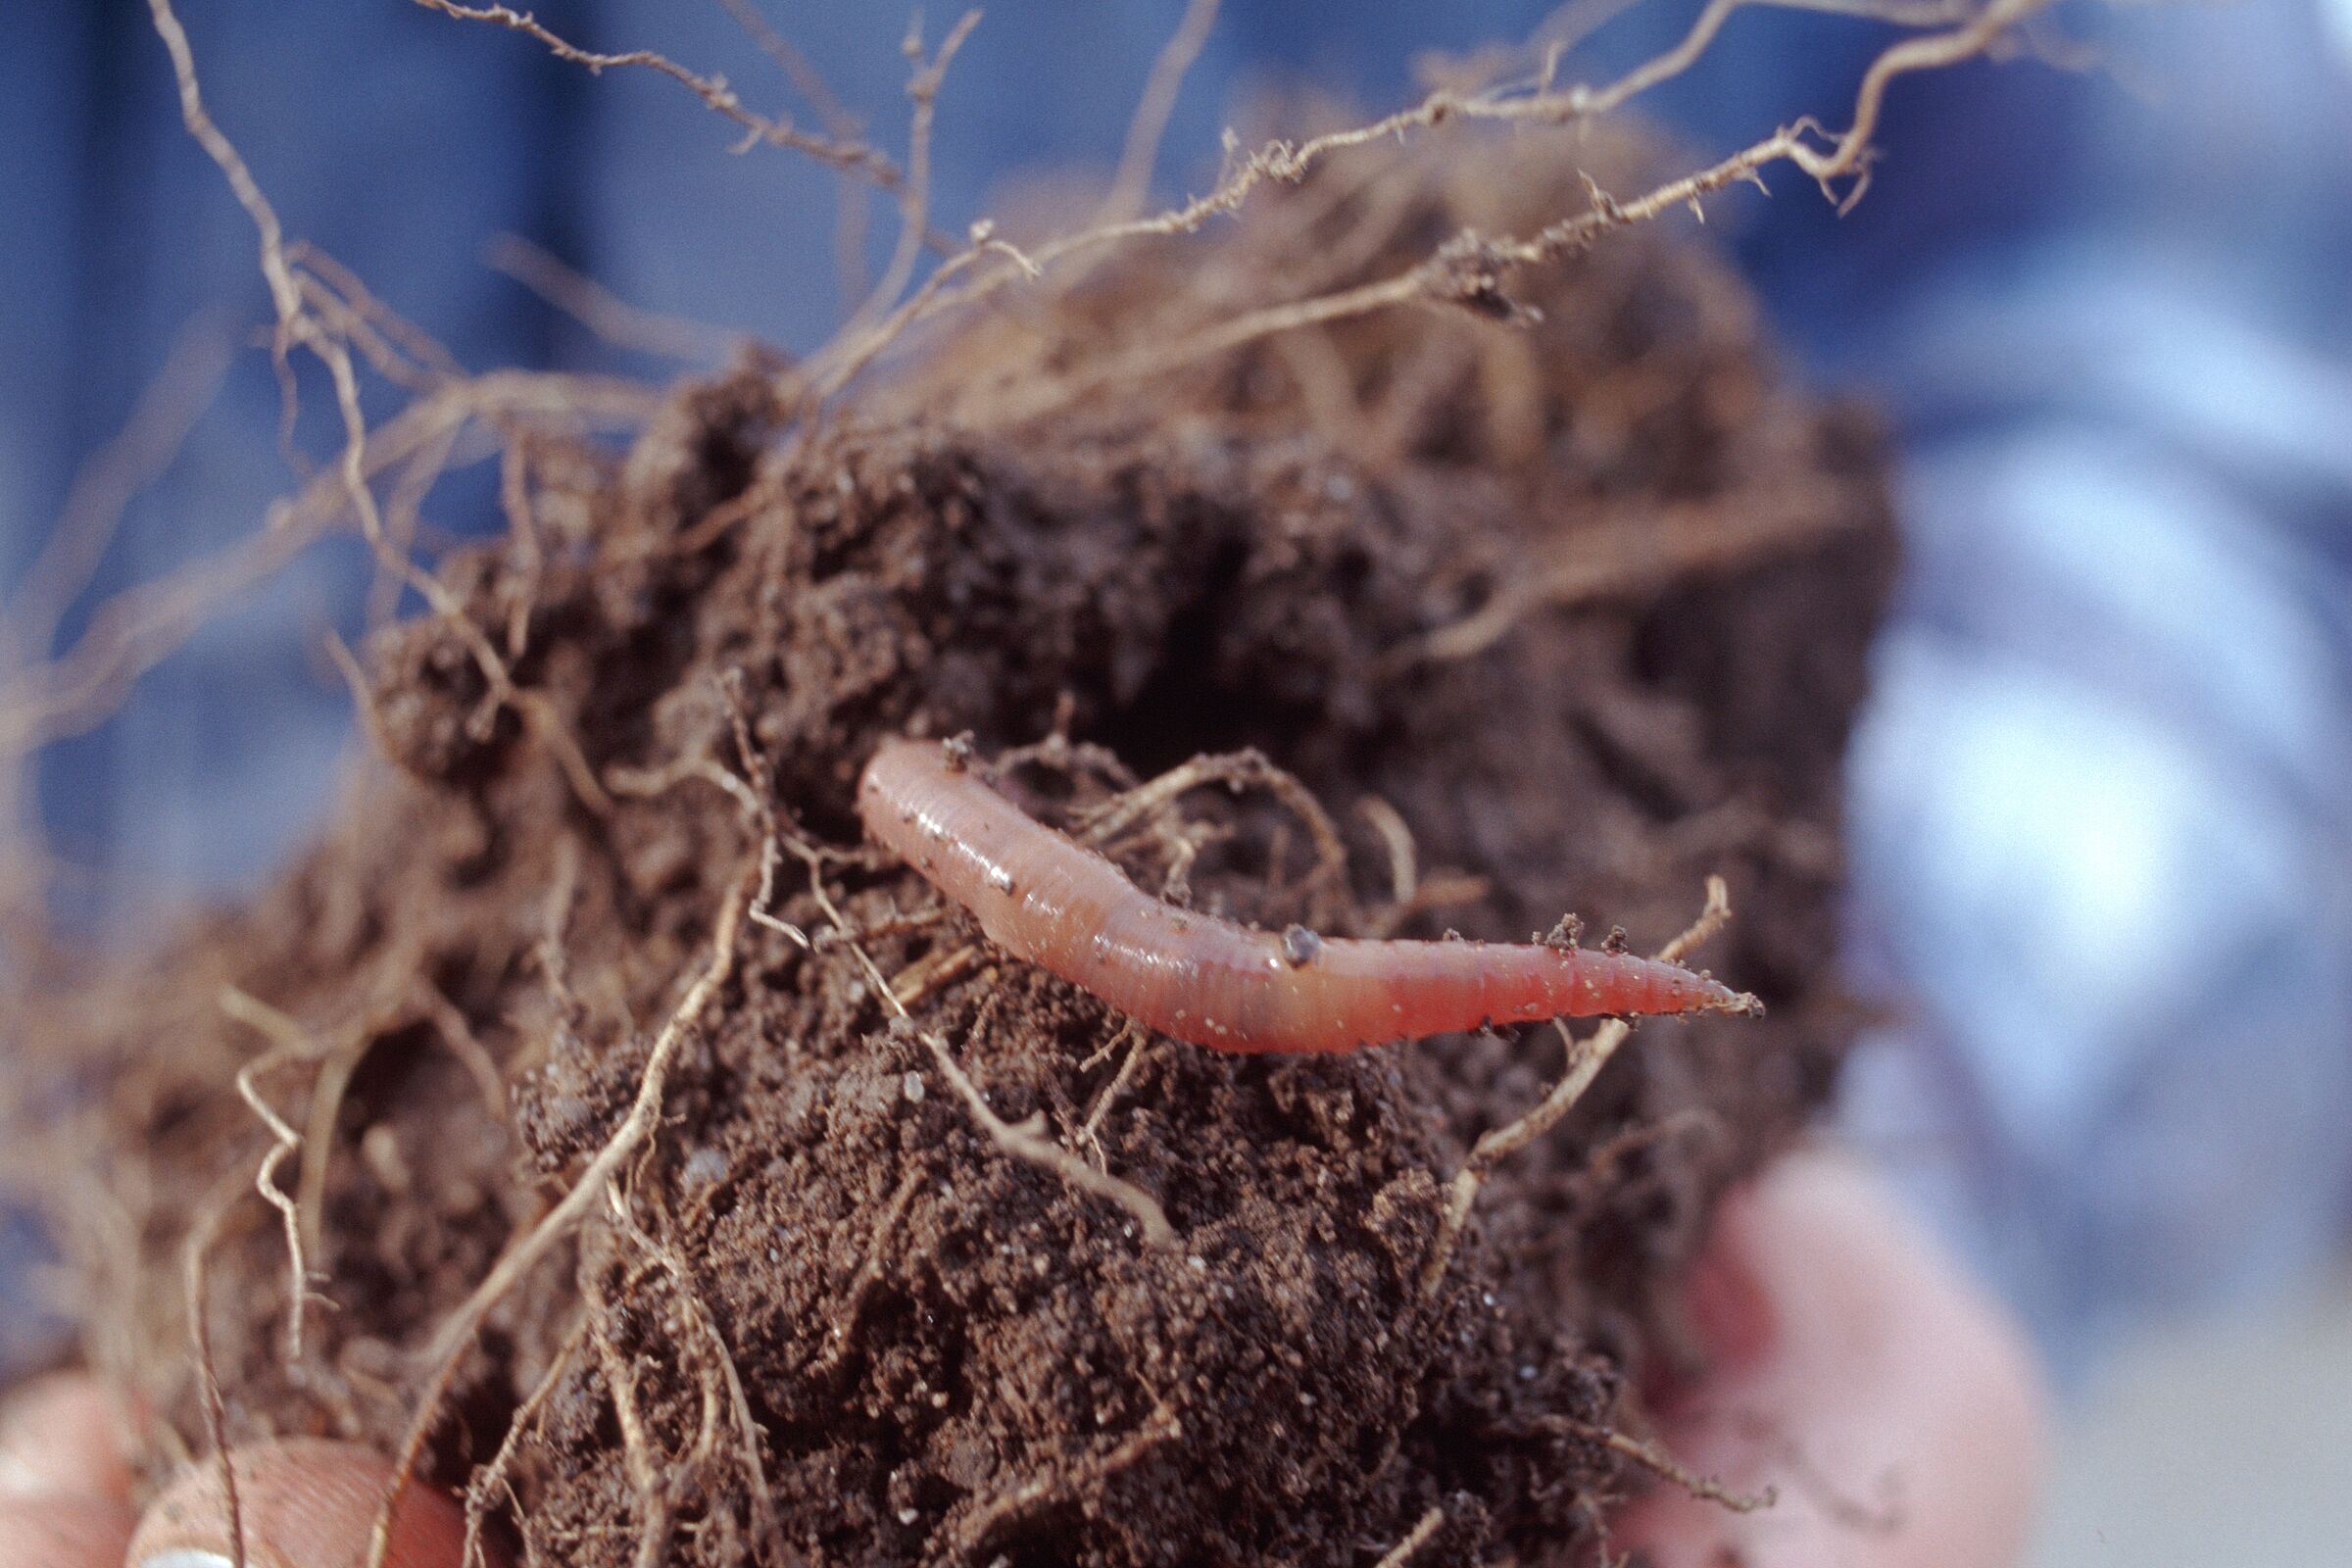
<point>60,1436</point>
<point>302,1502</point>
<point>63,1484</point>
<point>1893,1408</point>
<point>64,1532</point>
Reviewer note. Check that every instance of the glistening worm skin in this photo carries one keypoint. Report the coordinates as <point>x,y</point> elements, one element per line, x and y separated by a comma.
<point>1054,903</point>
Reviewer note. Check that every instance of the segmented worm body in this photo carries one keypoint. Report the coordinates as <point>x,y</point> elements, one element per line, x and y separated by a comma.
<point>1057,903</point>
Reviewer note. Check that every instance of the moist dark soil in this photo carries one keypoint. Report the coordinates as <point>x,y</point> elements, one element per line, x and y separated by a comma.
<point>1548,615</point>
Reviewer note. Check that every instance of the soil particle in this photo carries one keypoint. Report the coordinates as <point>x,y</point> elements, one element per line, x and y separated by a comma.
<point>1583,604</point>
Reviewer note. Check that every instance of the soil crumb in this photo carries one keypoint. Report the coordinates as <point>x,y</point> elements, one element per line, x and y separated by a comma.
<point>1559,613</point>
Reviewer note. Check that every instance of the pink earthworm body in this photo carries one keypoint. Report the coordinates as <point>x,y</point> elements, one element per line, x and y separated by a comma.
<point>1057,903</point>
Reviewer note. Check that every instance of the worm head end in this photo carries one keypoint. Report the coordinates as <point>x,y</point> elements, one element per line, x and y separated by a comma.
<point>1741,1003</point>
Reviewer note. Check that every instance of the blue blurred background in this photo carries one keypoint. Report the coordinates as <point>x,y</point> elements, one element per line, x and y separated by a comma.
<point>2102,800</point>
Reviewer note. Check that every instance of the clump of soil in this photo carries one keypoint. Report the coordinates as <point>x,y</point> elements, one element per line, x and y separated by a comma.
<point>1578,603</point>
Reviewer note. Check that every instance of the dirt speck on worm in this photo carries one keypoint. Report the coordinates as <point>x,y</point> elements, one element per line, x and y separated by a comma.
<point>1583,603</point>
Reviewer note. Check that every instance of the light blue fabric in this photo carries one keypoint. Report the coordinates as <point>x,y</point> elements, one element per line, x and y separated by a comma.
<point>2102,803</point>
<point>2102,823</point>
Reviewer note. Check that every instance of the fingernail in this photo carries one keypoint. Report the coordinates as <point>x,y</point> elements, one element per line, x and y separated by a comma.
<point>180,1557</point>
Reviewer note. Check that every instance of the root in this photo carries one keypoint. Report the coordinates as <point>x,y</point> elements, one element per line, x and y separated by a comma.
<point>1024,1142</point>
<point>208,1376</point>
<point>1713,916</point>
<point>1410,890</point>
<point>764,1518</point>
<point>405,352</point>
<point>943,966</point>
<point>637,1448</point>
<point>1660,1463</point>
<point>1027,1143</point>
<point>915,194</point>
<point>853,157</point>
<point>299,325</point>
<point>290,1043</point>
<point>336,1062</point>
<point>601,311</point>
<point>321,308</point>
<point>861,1285</point>
<point>363,696</point>
<point>463,1043</point>
<point>1326,884</point>
<point>1039,1491</point>
<point>635,1128</point>
<point>323,312</point>
<point>514,499</point>
<point>494,1475</point>
<point>1404,876</point>
<point>1805,1478</point>
<point>334,1082</point>
<point>1132,183</point>
<point>1468,270</point>
<point>113,477</point>
<point>429,1410</point>
<point>644,783</point>
<point>893,925</point>
<point>141,626</point>
<point>1137,1051</point>
<point>456,1332</point>
<point>804,77</point>
<point>562,887</point>
<point>545,722</point>
<point>1626,559</point>
<point>1119,1037</point>
<point>1585,1062</point>
<point>1057,752</point>
<point>1400,1554</point>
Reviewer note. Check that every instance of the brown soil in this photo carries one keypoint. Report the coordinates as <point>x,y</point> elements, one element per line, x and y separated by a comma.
<point>1584,602</point>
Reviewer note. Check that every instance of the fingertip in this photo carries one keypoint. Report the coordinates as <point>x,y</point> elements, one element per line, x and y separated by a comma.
<point>62,1436</point>
<point>64,1532</point>
<point>1873,1266</point>
<point>1895,1409</point>
<point>303,1502</point>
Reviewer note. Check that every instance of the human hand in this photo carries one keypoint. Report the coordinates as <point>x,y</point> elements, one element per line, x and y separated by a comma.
<point>64,1499</point>
<point>1849,1353</point>
<point>1846,1351</point>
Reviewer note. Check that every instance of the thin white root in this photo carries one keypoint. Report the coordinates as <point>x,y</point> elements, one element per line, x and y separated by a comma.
<point>289,1044</point>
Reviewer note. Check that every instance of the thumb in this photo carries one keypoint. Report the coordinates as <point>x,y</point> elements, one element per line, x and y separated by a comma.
<point>1849,1352</point>
<point>302,1502</point>
<point>65,1486</point>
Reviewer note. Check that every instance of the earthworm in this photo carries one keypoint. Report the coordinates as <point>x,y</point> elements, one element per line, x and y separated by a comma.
<point>1059,905</point>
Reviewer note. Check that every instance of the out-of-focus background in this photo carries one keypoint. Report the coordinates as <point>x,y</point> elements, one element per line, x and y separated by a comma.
<point>2102,801</point>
